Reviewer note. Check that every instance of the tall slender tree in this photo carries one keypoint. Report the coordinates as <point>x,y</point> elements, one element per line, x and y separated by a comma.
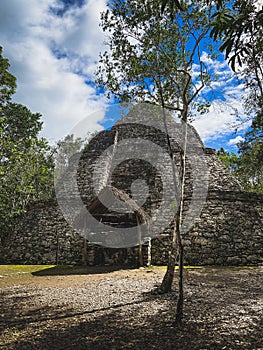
<point>157,58</point>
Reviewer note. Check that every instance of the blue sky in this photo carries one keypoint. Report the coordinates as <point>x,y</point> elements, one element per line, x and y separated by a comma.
<point>53,48</point>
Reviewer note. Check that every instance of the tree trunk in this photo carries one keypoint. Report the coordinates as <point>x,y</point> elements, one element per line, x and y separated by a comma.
<point>176,239</point>
<point>180,299</point>
<point>179,220</point>
<point>167,281</point>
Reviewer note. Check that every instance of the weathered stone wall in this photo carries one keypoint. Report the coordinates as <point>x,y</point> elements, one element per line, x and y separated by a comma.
<point>228,232</point>
<point>44,237</point>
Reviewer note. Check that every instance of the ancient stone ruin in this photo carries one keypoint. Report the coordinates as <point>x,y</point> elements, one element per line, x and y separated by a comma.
<point>228,230</point>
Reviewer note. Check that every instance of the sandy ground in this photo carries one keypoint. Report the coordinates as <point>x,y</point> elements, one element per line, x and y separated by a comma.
<point>105,308</point>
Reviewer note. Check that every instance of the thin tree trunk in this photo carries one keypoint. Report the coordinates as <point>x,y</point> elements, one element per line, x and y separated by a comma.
<point>176,239</point>
<point>176,243</point>
<point>167,281</point>
<point>180,299</point>
<point>179,220</point>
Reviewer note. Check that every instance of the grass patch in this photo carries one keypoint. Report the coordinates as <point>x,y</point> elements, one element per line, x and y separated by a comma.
<point>9,270</point>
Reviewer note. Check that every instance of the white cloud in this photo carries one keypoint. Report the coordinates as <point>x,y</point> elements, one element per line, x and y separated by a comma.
<point>52,57</point>
<point>226,95</point>
<point>220,120</point>
<point>259,5</point>
<point>235,140</point>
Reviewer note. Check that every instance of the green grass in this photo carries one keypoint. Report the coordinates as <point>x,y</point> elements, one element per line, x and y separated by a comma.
<point>9,270</point>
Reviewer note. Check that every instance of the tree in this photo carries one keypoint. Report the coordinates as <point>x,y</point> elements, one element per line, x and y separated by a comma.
<point>150,55</point>
<point>234,22</point>
<point>63,151</point>
<point>173,4</point>
<point>247,166</point>
<point>239,25</point>
<point>230,160</point>
<point>157,59</point>
<point>7,80</point>
<point>26,167</point>
<point>250,165</point>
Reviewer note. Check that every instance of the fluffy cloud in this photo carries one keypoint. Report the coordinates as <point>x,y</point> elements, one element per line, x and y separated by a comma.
<point>53,53</point>
<point>235,140</point>
<point>226,96</point>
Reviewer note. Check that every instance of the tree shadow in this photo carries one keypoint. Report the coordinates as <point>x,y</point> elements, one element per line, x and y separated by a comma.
<point>214,319</point>
<point>81,270</point>
<point>15,315</point>
<point>131,329</point>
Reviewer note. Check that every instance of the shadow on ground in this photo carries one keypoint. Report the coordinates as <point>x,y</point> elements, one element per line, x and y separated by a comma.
<point>222,311</point>
<point>81,270</point>
<point>117,331</point>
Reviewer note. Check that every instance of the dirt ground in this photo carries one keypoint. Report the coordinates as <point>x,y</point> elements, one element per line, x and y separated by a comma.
<point>105,308</point>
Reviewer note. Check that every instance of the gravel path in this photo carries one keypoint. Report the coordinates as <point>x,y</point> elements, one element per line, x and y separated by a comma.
<point>223,310</point>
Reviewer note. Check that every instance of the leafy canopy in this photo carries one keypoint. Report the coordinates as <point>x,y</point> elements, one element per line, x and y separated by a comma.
<point>154,57</point>
<point>7,80</point>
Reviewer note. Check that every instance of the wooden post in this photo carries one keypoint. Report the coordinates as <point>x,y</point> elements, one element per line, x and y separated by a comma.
<point>140,255</point>
<point>149,252</point>
<point>57,246</point>
<point>85,253</point>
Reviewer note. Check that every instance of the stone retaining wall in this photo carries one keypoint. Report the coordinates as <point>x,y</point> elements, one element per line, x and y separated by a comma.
<point>228,232</point>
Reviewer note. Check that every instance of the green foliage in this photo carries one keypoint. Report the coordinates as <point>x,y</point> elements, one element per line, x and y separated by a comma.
<point>26,166</point>
<point>247,166</point>
<point>154,57</point>
<point>230,160</point>
<point>237,23</point>
<point>7,80</point>
<point>240,26</point>
<point>64,150</point>
<point>251,157</point>
<point>175,4</point>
